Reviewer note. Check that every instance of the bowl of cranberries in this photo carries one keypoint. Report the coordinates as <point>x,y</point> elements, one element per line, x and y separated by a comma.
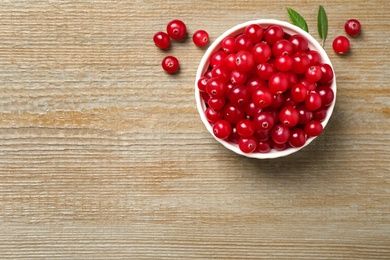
<point>265,89</point>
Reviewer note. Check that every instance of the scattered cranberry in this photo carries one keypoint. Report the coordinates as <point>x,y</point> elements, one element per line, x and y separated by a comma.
<point>200,38</point>
<point>341,44</point>
<point>176,29</point>
<point>161,40</point>
<point>352,27</point>
<point>170,64</point>
<point>266,90</point>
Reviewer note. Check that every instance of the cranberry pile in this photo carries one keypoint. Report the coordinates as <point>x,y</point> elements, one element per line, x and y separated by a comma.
<point>265,89</point>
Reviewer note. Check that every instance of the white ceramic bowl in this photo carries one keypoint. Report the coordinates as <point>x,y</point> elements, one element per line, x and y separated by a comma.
<point>236,30</point>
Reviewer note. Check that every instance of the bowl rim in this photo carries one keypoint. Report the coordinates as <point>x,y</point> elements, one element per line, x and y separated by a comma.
<point>236,30</point>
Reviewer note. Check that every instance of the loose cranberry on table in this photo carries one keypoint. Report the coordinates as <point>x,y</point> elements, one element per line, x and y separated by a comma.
<point>352,27</point>
<point>176,29</point>
<point>162,40</point>
<point>341,44</point>
<point>200,38</point>
<point>170,64</point>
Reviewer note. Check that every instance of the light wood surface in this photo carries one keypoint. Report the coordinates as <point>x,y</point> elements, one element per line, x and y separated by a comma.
<point>104,156</point>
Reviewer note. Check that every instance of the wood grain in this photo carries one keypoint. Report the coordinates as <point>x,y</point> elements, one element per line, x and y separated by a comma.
<point>103,156</point>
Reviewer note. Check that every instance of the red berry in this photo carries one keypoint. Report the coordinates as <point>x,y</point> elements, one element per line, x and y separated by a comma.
<point>289,116</point>
<point>239,95</point>
<point>247,144</point>
<point>176,29</point>
<point>232,113</point>
<point>161,40</point>
<point>299,43</point>
<point>297,137</point>
<point>215,87</point>
<point>313,101</point>
<point>200,38</point>
<point>326,94</point>
<point>245,127</point>
<point>243,43</point>
<point>340,44</point>
<point>313,73</point>
<point>216,103</point>
<point>170,64</point>
<point>352,27</point>
<point>262,97</point>
<point>265,70</point>
<point>298,92</point>
<point>278,83</point>
<point>313,128</point>
<point>282,47</point>
<point>222,129</point>
<point>261,52</point>
<point>305,115</point>
<point>221,72</point>
<point>327,73</point>
<point>202,83</point>
<point>280,133</point>
<point>238,77</point>
<point>314,57</point>
<point>228,44</point>
<point>273,34</point>
<point>264,146</point>
<point>213,115</point>
<point>255,32</point>
<point>217,58</point>
<point>245,61</point>
<point>264,121</point>
<point>300,63</point>
<point>283,63</point>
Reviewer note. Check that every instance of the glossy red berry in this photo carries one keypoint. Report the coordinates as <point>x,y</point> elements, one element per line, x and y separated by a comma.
<point>313,128</point>
<point>239,95</point>
<point>278,83</point>
<point>297,137</point>
<point>282,47</point>
<point>162,40</point>
<point>300,62</point>
<point>283,63</point>
<point>200,38</point>
<point>247,144</point>
<point>352,27</point>
<point>265,70</point>
<point>176,29</point>
<point>326,94</point>
<point>298,92</point>
<point>273,34</point>
<point>215,87</point>
<point>232,113</point>
<point>289,116</point>
<point>255,32</point>
<point>170,64</point>
<point>340,44</point>
<point>213,115</point>
<point>327,74</point>
<point>227,44</point>
<point>264,121</point>
<point>222,129</point>
<point>262,97</point>
<point>299,43</point>
<point>264,146</point>
<point>280,133</point>
<point>313,101</point>
<point>313,73</point>
<point>245,127</point>
<point>314,57</point>
<point>245,61</point>
<point>261,52</point>
<point>243,43</point>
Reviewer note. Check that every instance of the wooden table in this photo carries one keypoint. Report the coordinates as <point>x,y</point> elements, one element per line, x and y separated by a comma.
<point>104,156</point>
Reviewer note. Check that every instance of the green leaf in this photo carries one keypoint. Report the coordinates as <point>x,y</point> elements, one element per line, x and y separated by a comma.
<point>297,19</point>
<point>322,24</point>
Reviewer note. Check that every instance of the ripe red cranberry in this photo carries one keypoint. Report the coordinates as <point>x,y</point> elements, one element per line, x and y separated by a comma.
<point>297,137</point>
<point>200,38</point>
<point>352,27</point>
<point>247,144</point>
<point>213,115</point>
<point>222,129</point>
<point>255,32</point>
<point>176,29</point>
<point>313,128</point>
<point>170,64</point>
<point>245,127</point>
<point>273,34</point>
<point>161,40</point>
<point>340,44</point>
<point>299,43</point>
<point>264,121</point>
